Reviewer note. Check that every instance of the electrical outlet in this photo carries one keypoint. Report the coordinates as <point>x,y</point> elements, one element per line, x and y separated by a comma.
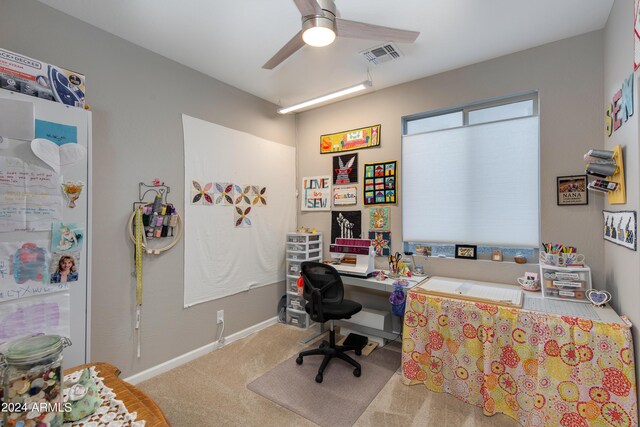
<point>220,316</point>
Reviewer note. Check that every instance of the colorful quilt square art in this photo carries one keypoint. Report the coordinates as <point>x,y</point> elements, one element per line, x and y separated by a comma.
<point>379,219</point>
<point>381,242</point>
<point>345,169</point>
<point>380,183</point>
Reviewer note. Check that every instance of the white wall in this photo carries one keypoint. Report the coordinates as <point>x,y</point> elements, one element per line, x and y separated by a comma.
<point>137,98</point>
<point>568,75</point>
<point>622,266</point>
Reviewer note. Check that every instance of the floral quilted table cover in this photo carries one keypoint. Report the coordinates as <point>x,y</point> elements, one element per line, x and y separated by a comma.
<point>540,369</point>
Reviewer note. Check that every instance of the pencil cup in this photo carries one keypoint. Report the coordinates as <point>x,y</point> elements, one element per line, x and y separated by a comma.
<point>549,259</point>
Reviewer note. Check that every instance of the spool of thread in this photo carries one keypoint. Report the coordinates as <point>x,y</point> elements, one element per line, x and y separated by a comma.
<point>165,231</point>
<point>153,220</point>
<point>163,211</point>
<point>166,219</point>
<point>146,211</point>
<point>157,204</point>
<point>174,219</point>
<point>158,232</point>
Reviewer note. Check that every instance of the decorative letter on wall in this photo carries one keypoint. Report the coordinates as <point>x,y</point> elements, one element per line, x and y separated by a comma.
<point>621,107</point>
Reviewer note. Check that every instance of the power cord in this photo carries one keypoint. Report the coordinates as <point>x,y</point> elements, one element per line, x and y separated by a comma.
<point>394,340</point>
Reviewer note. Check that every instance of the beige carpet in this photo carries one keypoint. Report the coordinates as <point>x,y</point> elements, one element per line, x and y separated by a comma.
<point>212,391</point>
<point>340,399</point>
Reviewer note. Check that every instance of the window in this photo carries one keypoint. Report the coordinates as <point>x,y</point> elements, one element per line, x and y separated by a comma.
<point>477,183</point>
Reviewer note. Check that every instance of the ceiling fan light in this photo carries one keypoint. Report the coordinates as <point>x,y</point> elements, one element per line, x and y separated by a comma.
<point>318,31</point>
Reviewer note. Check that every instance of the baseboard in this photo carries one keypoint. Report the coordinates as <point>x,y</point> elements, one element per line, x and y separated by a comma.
<point>198,352</point>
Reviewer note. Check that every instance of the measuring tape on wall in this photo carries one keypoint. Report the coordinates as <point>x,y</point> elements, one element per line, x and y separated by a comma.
<point>139,244</point>
<point>138,237</point>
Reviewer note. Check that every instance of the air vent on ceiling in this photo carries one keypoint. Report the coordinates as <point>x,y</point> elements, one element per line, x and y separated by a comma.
<point>382,53</point>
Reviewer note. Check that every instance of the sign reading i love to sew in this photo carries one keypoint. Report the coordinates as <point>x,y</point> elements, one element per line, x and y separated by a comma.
<point>316,193</point>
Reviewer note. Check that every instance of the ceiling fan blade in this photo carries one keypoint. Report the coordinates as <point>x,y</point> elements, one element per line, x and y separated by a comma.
<point>360,30</point>
<point>308,7</point>
<point>287,50</point>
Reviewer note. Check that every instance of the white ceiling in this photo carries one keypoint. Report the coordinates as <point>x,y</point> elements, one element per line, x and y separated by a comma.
<point>230,40</point>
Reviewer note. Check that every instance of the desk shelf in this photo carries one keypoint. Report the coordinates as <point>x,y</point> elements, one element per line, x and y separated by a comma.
<point>300,247</point>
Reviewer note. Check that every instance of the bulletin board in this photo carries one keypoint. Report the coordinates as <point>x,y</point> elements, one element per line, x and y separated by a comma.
<point>239,204</point>
<point>38,229</point>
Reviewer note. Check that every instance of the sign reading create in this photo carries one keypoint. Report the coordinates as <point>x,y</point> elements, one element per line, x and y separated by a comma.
<point>620,108</point>
<point>350,140</point>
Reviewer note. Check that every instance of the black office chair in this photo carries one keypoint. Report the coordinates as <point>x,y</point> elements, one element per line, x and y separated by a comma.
<point>324,293</point>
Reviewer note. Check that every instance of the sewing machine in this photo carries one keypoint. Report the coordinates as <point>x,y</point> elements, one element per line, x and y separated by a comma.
<point>353,256</point>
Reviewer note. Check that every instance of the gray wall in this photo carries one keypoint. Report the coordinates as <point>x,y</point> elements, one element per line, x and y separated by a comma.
<point>622,266</point>
<point>137,98</point>
<point>568,75</point>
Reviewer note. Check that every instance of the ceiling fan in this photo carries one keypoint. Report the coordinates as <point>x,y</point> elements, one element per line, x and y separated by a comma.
<point>320,26</point>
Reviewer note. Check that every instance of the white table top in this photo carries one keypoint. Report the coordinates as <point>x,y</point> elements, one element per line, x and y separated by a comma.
<point>384,285</point>
<point>533,301</point>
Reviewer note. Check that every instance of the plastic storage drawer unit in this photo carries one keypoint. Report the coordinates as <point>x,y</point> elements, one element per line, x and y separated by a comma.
<point>565,283</point>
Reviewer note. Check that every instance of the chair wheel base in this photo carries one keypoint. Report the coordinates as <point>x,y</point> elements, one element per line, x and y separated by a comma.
<point>299,360</point>
<point>319,378</point>
<point>356,372</point>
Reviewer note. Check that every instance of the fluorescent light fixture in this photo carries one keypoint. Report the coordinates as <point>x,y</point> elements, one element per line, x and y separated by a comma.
<point>351,89</point>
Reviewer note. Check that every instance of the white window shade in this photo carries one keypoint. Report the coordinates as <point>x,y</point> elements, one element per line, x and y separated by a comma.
<point>477,184</point>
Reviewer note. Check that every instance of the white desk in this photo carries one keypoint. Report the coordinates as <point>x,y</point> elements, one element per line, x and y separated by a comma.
<point>385,286</point>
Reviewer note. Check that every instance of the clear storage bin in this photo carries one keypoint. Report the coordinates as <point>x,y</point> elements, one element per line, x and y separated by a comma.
<point>566,283</point>
<point>296,247</point>
<point>296,302</point>
<point>292,285</point>
<point>32,381</point>
<point>297,319</point>
<point>293,269</point>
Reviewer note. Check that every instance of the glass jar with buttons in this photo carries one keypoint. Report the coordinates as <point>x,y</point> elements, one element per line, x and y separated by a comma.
<point>32,381</point>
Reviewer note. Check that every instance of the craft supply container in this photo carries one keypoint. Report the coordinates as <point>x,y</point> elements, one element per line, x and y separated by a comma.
<point>32,381</point>
<point>565,283</point>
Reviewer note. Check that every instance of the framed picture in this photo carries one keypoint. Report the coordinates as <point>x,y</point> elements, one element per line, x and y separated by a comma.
<point>316,193</point>
<point>467,251</point>
<point>345,196</point>
<point>380,183</point>
<point>621,228</point>
<point>379,219</point>
<point>496,255</point>
<point>346,225</point>
<point>350,140</point>
<point>345,169</point>
<point>423,250</point>
<point>381,242</point>
<point>572,190</point>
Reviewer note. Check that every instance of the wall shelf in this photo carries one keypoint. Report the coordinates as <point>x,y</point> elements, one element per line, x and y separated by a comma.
<point>619,195</point>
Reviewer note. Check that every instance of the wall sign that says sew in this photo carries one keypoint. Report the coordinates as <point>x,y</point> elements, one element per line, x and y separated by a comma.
<point>316,193</point>
<point>620,108</point>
